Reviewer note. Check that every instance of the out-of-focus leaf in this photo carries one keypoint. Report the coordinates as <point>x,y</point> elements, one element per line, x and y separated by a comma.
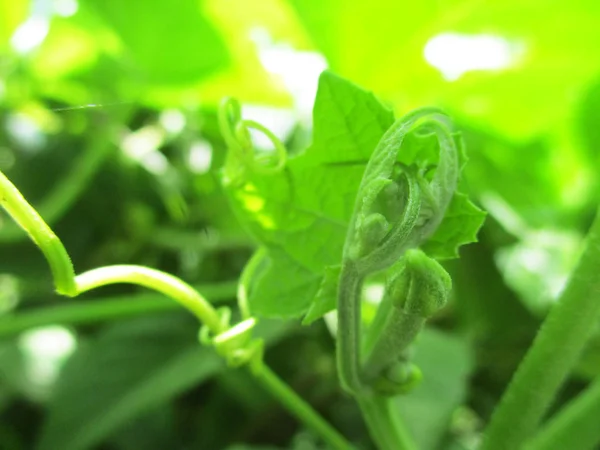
<point>128,369</point>
<point>252,447</point>
<point>260,34</point>
<point>13,379</point>
<point>67,49</point>
<point>12,14</point>
<point>544,55</point>
<point>446,363</point>
<point>153,431</point>
<point>165,43</point>
<point>589,363</point>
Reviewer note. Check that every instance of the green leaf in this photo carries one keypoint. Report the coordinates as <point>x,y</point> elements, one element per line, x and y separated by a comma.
<point>165,43</point>
<point>127,370</point>
<point>301,214</point>
<point>305,209</point>
<point>348,122</point>
<point>326,298</point>
<point>284,288</point>
<point>460,226</point>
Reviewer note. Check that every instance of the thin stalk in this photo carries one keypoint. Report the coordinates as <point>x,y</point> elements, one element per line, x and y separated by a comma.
<point>40,233</point>
<point>298,407</point>
<point>348,339</point>
<point>575,426</point>
<point>159,281</point>
<point>553,354</point>
<point>386,427</point>
<point>99,310</point>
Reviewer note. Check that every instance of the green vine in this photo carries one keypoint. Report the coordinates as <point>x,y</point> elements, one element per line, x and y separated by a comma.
<point>375,243</point>
<point>232,342</point>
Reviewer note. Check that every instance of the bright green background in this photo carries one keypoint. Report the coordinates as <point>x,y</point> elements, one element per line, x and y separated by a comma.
<point>123,183</point>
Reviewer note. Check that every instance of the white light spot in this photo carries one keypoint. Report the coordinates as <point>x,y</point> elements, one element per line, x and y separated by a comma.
<point>155,162</point>
<point>30,34</point>
<point>65,8</point>
<point>142,141</point>
<point>331,322</point>
<point>538,266</point>
<point>373,293</point>
<point>45,350</point>
<point>172,120</point>
<point>279,121</point>
<point>200,157</point>
<point>510,220</point>
<point>455,54</point>
<point>534,259</point>
<point>299,70</point>
<point>25,131</point>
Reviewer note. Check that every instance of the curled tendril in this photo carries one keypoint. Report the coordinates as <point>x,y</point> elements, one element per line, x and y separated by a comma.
<point>375,242</point>
<point>235,344</point>
<point>424,203</point>
<point>242,156</point>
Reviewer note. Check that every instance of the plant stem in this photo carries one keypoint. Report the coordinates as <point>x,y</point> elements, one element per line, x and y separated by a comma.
<point>385,426</point>
<point>298,407</point>
<point>98,310</point>
<point>575,426</point>
<point>348,339</point>
<point>41,234</point>
<point>159,281</point>
<point>555,350</point>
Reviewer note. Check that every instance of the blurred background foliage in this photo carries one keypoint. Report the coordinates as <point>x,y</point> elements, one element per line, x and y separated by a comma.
<point>108,126</point>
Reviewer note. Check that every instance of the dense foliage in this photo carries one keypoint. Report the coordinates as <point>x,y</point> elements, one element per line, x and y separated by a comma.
<point>328,179</point>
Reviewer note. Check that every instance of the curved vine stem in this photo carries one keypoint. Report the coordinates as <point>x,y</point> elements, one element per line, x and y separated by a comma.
<point>115,307</point>
<point>233,343</point>
<point>156,280</point>
<point>41,234</point>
